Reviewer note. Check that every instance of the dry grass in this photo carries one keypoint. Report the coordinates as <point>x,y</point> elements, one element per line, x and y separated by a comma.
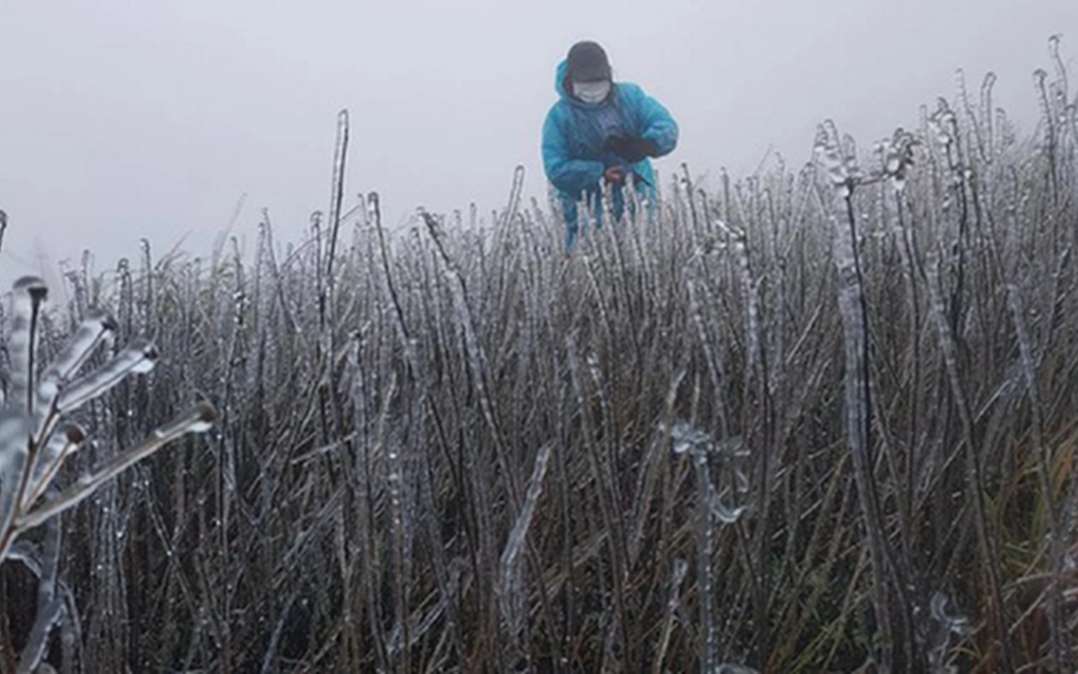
<point>818,418</point>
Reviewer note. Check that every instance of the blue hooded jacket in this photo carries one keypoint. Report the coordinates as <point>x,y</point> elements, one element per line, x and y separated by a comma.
<point>574,134</point>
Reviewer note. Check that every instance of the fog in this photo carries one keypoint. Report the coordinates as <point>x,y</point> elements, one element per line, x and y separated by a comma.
<point>128,119</point>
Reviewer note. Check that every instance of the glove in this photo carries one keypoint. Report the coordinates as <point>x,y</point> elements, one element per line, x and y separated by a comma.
<point>631,149</point>
<point>615,175</point>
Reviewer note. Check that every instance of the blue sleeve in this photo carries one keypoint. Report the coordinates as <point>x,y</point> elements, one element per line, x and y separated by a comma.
<point>653,120</point>
<point>569,175</point>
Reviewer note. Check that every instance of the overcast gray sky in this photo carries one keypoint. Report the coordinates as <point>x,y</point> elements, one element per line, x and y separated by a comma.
<point>124,119</point>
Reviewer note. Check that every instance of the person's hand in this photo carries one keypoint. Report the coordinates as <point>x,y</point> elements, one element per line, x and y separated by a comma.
<point>631,149</point>
<point>615,175</point>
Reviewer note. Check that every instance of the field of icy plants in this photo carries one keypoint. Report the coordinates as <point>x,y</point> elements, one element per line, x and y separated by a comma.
<point>824,417</point>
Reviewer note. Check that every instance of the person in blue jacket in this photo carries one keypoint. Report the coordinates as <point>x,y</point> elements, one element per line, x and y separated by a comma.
<point>601,131</point>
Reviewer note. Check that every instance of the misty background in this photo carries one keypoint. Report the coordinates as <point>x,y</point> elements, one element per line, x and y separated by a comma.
<point>128,119</point>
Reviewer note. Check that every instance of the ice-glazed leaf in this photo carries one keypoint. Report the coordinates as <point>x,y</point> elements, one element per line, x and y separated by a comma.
<point>14,442</point>
<point>139,356</point>
<point>14,448</point>
<point>196,419</point>
<point>93,330</point>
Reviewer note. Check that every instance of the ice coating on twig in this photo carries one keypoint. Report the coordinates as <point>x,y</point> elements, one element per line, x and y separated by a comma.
<point>477,356</point>
<point>829,155</point>
<point>896,157</point>
<point>723,512</point>
<point>14,447</point>
<point>32,453</point>
<point>729,668</point>
<point>697,443</point>
<point>515,192</point>
<point>29,292</point>
<point>50,460</point>
<point>199,418</point>
<point>855,328</point>
<point>94,329</point>
<point>511,598</point>
<point>44,458</point>
<point>50,608</point>
<point>137,357</point>
<point>687,438</point>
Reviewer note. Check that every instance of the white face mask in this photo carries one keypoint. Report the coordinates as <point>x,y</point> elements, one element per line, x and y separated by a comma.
<point>592,92</point>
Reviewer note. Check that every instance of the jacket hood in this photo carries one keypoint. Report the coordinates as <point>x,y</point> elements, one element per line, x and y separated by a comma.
<point>560,76</point>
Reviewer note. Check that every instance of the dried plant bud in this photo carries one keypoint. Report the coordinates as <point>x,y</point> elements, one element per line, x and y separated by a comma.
<point>197,419</point>
<point>75,434</point>
<point>207,415</point>
<point>32,285</point>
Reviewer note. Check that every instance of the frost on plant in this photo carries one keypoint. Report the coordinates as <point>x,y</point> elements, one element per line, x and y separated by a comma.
<point>729,454</point>
<point>697,443</point>
<point>34,447</point>
<point>896,157</point>
<point>727,668</point>
<point>944,625</point>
